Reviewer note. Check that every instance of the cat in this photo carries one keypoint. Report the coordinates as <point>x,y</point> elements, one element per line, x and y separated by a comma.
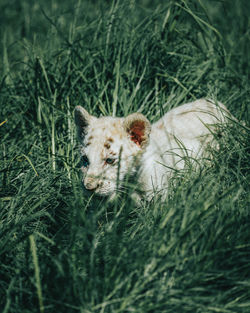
<point>115,150</point>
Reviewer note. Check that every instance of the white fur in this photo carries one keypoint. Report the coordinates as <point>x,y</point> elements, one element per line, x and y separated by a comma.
<point>183,131</point>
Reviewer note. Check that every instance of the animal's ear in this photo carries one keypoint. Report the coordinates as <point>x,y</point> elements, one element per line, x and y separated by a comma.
<point>82,121</point>
<point>138,128</point>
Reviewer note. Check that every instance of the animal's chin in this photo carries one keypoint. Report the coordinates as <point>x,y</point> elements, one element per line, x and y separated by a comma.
<point>103,193</point>
<point>110,195</point>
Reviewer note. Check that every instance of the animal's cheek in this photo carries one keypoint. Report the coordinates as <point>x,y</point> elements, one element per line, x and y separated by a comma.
<point>111,174</point>
<point>127,163</point>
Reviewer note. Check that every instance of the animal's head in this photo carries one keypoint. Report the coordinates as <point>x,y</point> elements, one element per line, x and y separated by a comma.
<point>108,148</point>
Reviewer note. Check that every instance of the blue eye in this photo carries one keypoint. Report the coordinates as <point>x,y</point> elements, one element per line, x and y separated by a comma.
<point>109,161</point>
<point>84,161</point>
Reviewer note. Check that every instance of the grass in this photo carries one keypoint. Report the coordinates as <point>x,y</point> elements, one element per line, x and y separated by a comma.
<point>61,251</point>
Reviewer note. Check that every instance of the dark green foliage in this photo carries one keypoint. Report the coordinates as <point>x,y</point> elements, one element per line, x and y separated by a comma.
<point>63,251</point>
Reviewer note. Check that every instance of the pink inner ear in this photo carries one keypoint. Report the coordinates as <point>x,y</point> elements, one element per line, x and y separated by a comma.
<point>137,132</point>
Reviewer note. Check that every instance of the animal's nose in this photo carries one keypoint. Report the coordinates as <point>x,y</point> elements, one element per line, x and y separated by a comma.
<point>91,183</point>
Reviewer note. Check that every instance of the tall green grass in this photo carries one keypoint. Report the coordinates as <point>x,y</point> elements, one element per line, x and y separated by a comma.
<point>63,251</point>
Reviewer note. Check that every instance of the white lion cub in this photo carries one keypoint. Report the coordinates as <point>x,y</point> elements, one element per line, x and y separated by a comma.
<point>114,150</point>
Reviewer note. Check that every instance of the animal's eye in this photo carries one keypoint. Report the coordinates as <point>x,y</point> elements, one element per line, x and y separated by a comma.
<point>84,161</point>
<point>110,161</point>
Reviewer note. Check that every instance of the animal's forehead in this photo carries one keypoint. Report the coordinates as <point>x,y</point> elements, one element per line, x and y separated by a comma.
<point>104,137</point>
<point>106,129</point>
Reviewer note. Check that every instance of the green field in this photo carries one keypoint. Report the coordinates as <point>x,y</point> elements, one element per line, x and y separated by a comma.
<point>61,251</point>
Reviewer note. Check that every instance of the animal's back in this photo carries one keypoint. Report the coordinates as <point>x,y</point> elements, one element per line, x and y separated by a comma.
<point>183,131</point>
<point>191,119</point>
